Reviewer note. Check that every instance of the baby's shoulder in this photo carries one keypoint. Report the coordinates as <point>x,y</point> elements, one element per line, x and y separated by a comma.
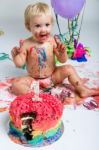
<point>27,43</point>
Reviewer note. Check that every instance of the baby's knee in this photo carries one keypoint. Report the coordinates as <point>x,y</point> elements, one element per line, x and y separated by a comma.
<point>16,82</point>
<point>15,87</point>
<point>20,86</point>
<point>68,68</point>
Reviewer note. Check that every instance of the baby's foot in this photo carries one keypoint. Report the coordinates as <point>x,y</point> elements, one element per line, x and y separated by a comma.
<point>84,80</point>
<point>46,83</point>
<point>86,92</point>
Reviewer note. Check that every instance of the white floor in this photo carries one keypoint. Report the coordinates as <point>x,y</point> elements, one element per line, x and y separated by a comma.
<point>81,126</point>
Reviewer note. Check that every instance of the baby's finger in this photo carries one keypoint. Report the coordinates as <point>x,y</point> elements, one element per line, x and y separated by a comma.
<point>18,49</point>
<point>57,40</point>
<point>62,47</point>
<point>15,51</point>
<point>55,50</point>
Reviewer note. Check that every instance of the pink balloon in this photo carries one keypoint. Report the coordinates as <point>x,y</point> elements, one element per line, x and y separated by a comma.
<point>67,8</point>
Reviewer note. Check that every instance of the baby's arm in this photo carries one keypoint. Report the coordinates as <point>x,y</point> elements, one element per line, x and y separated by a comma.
<point>19,55</point>
<point>60,50</point>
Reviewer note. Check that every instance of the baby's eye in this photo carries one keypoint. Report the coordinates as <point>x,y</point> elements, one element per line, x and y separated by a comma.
<point>37,25</point>
<point>47,24</point>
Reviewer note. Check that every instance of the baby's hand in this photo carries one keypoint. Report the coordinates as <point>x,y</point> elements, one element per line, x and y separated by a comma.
<point>15,51</point>
<point>60,47</point>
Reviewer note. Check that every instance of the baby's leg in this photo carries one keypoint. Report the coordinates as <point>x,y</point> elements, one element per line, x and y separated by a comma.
<point>21,85</point>
<point>69,72</point>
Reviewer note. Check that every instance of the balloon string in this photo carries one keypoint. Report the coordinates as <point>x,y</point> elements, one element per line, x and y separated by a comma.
<point>81,23</point>
<point>72,25</point>
<point>72,36</point>
<point>69,29</point>
<point>58,24</point>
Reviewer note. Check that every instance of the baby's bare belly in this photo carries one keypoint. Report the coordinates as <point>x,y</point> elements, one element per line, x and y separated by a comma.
<point>37,72</point>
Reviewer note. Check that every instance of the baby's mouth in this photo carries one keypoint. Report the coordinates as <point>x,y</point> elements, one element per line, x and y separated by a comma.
<point>44,36</point>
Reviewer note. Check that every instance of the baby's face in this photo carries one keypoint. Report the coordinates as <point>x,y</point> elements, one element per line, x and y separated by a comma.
<point>41,27</point>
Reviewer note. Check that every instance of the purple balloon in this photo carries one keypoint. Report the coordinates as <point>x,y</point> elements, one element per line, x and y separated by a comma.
<point>67,8</point>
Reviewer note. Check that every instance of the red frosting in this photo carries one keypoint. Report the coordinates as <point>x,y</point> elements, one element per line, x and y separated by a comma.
<point>49,110</point>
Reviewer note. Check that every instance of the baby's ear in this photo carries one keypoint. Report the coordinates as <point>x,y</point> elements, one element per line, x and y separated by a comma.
<point>27,26</point>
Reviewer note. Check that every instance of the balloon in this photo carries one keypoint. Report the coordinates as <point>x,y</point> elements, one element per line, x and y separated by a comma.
<point>67,8</point>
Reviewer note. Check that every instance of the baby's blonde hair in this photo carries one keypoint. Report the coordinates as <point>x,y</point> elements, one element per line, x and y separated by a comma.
<point>36,10</point>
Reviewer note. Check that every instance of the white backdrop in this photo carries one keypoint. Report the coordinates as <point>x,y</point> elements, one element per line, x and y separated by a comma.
<point>12,23</point>
<point>14,9</point>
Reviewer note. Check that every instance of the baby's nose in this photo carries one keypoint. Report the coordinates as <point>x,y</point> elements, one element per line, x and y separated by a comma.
<point>43,29</point>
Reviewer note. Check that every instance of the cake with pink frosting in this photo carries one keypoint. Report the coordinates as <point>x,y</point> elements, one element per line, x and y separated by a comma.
<point>35,122</point>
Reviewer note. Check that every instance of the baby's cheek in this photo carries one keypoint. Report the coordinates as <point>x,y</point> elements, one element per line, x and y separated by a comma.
<point>36,34</point>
